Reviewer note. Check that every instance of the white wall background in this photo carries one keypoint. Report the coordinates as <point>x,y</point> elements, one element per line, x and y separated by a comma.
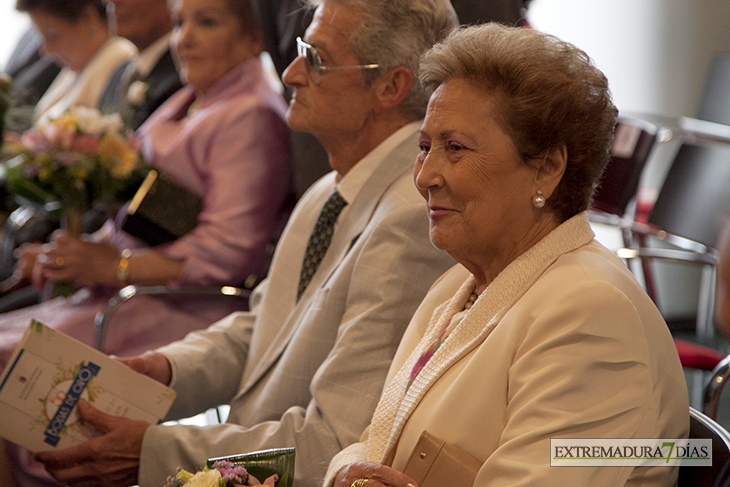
<point>12,25</point>
<point>654,52</point>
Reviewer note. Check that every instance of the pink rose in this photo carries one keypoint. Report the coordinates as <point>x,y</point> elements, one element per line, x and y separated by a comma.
<point>85,144</point>
<point>57,135</point>
<point>34,141</point>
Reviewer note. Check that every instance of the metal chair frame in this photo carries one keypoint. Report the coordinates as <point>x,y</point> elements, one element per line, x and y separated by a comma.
<point>714,387</point>
<point>101,321</point>
<point>700,427</point>
<point>697,254</point>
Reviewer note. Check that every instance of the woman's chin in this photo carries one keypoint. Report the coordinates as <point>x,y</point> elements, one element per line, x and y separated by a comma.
<point>440,241</point>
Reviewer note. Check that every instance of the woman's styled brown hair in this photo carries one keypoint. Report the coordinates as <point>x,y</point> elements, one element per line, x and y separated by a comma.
<point>547,93</point>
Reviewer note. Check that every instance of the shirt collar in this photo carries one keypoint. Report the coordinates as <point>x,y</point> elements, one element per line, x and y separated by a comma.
<point>351,183</point>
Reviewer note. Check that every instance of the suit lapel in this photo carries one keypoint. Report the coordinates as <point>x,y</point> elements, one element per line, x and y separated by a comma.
<point>163,81</point>
<point>111,98</point>
<point>393,166</point>
<point>278,301</point>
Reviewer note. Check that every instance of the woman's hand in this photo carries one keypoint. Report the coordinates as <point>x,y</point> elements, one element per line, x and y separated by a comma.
<point>377,476</point>
<point>69,258</point>
<point>26,256</point>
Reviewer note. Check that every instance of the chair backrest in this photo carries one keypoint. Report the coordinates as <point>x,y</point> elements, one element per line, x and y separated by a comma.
<point>715,99</point>
<point>629,152</point>
<point>700,426</point>
<point>692,198</point>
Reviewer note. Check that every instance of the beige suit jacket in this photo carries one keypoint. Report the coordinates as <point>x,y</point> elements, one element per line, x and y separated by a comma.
<point>307,374</point>
<point>563,344</point>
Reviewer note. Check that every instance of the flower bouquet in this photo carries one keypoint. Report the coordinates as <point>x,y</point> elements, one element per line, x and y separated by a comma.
<point>72,163</point>
<point>222,474</point>
<point>268,467</point>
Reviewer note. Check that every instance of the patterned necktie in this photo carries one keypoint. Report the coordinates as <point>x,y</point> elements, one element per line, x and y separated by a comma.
<point>320,239</point>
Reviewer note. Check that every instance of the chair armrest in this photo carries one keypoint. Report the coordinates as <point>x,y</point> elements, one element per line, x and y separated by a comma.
<point>707,258</point>
<point>126,293</point>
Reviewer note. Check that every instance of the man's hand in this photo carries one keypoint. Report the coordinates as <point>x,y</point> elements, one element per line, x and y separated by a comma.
<point>26,255</point>
<point>151,364</point>
<point>109,460</point>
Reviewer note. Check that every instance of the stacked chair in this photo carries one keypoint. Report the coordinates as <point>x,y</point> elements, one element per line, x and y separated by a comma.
<point>684,218</point>
<point>681,226</point>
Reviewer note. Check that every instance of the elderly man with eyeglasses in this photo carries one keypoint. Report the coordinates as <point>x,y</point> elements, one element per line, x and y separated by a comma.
<point>306,366</point>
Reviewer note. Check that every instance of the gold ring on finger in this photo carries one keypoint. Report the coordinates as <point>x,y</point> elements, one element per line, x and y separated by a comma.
<point>59,261</point>
<point>359,483</point>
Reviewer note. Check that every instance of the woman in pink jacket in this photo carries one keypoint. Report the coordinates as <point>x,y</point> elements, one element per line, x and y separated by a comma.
<point>223,137</point>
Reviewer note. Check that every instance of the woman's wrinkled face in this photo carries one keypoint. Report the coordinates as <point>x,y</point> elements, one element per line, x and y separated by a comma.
<point>209,41</point>
<point>62,39</point>
<point>478,190</point>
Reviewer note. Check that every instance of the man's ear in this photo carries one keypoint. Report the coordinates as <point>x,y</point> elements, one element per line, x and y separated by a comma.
<point>550,170</point>
<point>391,87</point>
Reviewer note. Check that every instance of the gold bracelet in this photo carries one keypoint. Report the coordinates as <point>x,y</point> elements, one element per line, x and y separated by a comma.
<point>123,266</point>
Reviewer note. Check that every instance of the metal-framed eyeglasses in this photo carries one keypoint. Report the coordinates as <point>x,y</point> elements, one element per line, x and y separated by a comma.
<point>314,62</point>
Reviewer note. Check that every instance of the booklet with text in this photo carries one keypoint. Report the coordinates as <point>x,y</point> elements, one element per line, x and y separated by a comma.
<point>45,378</point>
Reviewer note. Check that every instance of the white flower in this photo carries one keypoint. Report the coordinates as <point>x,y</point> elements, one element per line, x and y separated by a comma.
<point>137,92</point>
<point>209,478</point>
<point>90,121</point>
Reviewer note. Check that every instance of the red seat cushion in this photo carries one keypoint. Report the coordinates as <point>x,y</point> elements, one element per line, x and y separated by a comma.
<point>694,356</point>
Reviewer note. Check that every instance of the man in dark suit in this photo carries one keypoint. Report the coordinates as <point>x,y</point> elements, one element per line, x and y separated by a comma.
<point>141,85</point>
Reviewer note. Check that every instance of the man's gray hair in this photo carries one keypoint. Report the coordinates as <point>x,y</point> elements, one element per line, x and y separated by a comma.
<point>396,33</point>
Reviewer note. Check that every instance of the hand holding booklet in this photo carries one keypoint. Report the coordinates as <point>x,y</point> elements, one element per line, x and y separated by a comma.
<point>47,375</point>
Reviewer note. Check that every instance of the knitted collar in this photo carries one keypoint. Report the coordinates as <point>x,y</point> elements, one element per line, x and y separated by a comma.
<point>396,406</point>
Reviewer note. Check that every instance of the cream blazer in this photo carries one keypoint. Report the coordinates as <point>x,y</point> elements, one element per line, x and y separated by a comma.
<point>563,344</point>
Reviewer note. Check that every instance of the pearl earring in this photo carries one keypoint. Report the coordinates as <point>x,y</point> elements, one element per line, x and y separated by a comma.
<point>538,201</point>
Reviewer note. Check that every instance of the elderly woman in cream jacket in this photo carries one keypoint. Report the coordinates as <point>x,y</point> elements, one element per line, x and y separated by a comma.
<point>540,332</point>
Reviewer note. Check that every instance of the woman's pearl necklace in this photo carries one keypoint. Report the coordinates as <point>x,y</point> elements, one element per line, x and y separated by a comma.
<point>470,302</point>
